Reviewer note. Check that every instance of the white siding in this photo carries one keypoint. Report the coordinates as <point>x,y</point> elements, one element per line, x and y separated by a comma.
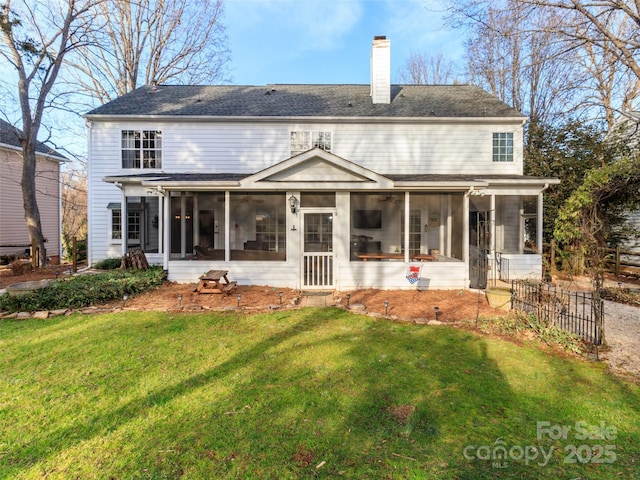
<point>105,160</point>
<point>460,148</point>
<point>275,274</point>
<point>351,276</point>
<point>392,275</point>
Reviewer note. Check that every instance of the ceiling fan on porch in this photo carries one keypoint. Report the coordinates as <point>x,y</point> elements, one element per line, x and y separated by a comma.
<point>250,199</point>
<point>389,198</point>
<point>242,199</point>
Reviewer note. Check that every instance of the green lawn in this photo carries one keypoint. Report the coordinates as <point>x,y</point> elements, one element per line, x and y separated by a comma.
<point>299,394</point>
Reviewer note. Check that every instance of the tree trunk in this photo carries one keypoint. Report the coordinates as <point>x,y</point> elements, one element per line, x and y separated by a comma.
<point>31,210</point>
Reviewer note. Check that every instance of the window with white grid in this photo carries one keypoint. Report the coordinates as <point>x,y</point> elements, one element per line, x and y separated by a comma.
<point>301,141</point>
<point>503,147</point>
<point>116,224</point>
<point>141,149</point>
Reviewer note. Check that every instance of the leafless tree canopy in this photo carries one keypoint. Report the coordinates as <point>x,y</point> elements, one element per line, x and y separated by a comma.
<point>422,69</point>
<point>74,205</point>
<point>514,56</point>
<point>166,41</point>
<point>554,57</point>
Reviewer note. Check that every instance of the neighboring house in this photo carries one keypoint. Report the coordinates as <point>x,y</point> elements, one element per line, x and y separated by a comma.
<point>627,129</point>
<point>316,186</point>
<point>14,235</point>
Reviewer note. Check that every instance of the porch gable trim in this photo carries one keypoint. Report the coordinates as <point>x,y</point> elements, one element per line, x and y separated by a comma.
<point>335,170</point>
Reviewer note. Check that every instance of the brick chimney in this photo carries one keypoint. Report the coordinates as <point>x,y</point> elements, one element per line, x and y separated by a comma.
<point>381,70</point>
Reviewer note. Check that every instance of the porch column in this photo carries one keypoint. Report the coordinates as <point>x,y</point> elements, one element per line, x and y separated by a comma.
<point>227,226</point>
<point>491,261</point>
<point>123,221</point>
<point>492,226</point>
<point>539,219</point>
<point>160,224</point>
<point>183,225</point>
<point>196,220</point>
<point>407,221</point>
<point>166,227</point>
<point>449,226</point>
<point>442,228</point>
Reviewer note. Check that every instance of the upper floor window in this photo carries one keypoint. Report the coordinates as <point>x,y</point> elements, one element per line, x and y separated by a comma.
<point>141,149</point>
<point>503,147</point>
<point>302,141</point>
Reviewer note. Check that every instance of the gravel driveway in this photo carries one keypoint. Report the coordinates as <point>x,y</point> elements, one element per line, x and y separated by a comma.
<point>622,334</point>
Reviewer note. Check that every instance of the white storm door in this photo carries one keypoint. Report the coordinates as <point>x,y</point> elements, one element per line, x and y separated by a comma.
<point>317,249</point>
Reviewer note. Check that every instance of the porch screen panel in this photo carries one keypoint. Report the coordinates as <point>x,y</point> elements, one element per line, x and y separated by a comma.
<point>258,226</point>
<point>142,223</point>
<point>210,227</point>
<point>181,227</point>
<point>375,226</point>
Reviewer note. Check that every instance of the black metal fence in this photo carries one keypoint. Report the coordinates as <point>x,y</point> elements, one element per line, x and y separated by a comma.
<point>581,313</point>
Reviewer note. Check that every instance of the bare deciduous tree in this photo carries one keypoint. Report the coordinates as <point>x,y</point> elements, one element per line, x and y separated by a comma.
<point>36,37</point>
<point>601,37</point>
<point>612,25</point>
<point>606,83</point>
<point>513,55</point>
<point>148,41</point>
<point>74,205</point>
<point>422,69</point>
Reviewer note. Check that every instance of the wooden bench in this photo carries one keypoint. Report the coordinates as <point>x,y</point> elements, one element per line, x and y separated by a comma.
<point>215,281</point>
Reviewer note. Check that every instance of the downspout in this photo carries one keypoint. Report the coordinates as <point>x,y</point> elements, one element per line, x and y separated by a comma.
<point>89,201</point>
<point>60,232</point>
<point>492,232</point>
<point>465,234</point>
<point>123,216</point>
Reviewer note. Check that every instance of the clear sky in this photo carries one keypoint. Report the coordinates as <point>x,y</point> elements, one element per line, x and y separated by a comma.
<point>329,41</point>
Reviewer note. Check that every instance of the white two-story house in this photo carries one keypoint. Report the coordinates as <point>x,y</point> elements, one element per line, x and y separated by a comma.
<point>316,186</point>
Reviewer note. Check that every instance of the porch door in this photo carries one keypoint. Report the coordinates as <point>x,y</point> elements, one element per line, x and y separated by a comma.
<point>317,249</point>
<point>479,242</point>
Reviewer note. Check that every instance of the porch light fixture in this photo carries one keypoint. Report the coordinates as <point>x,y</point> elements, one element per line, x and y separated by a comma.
<point>386,307</point>
<point>293,203</point>
<point>437,311</point>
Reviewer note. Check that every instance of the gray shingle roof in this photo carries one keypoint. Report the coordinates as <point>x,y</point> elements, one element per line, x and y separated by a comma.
<point>307,101</point>
<point>225,177</point>
<point>9,135</point>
